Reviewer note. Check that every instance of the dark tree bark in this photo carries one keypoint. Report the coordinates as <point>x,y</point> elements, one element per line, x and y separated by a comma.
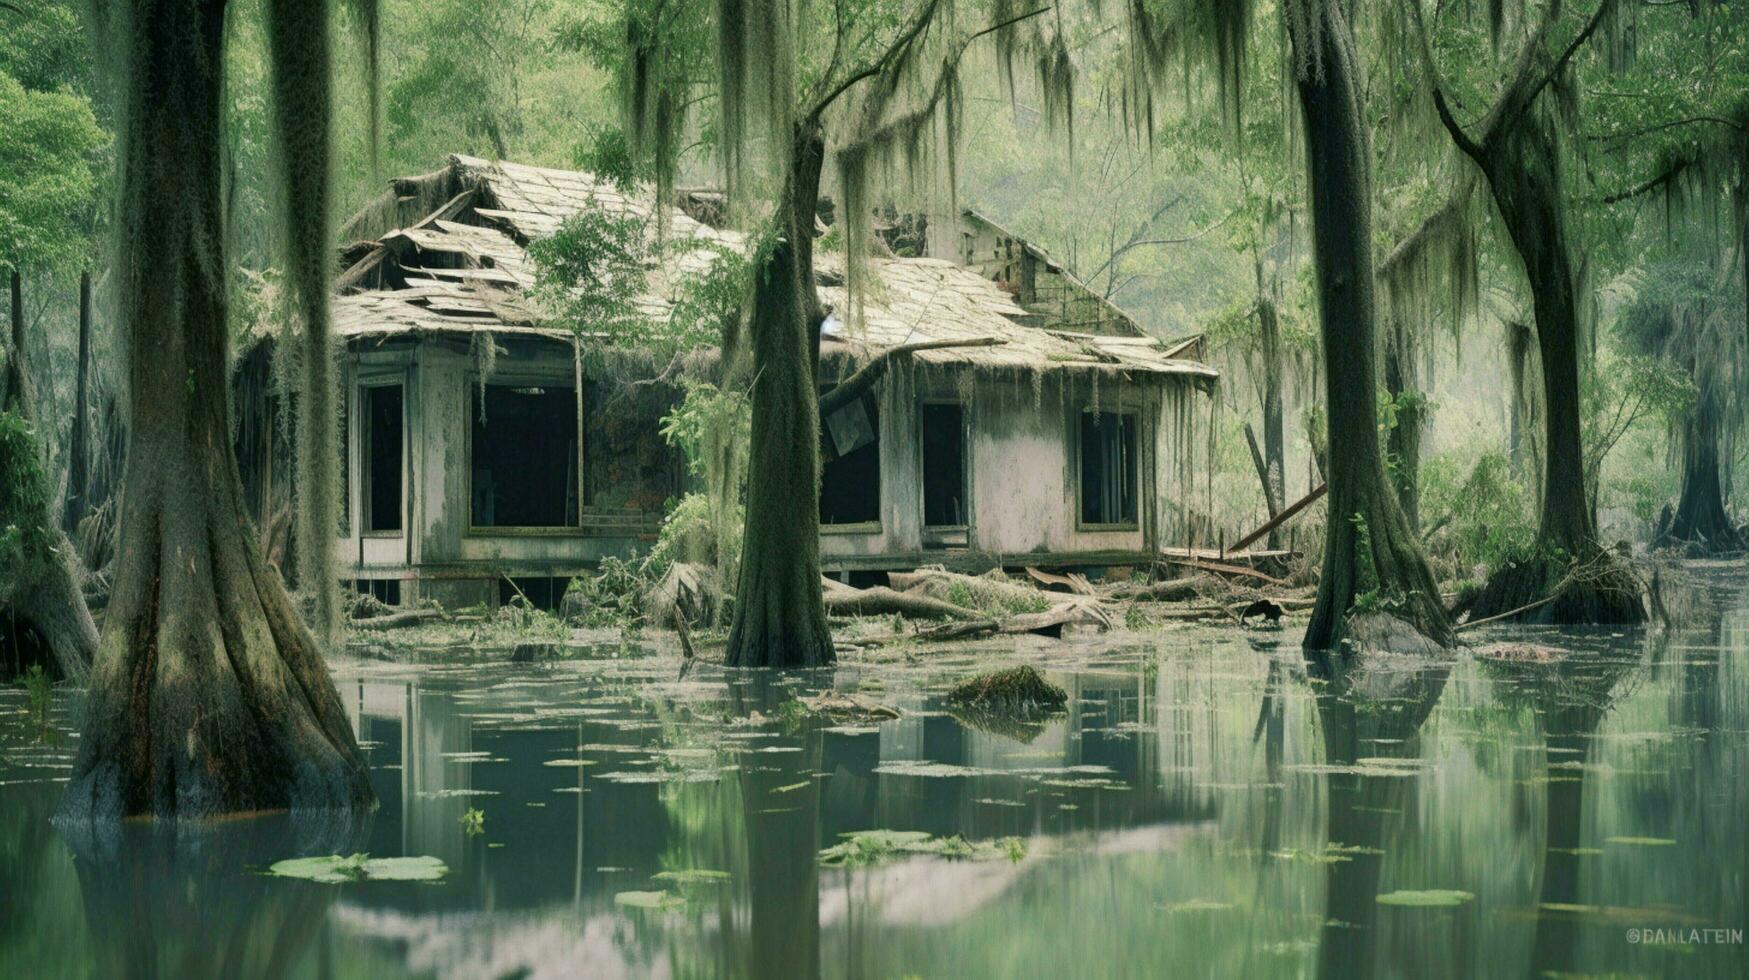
<point>1700,511</point>
<point>79,439</point>
<point>209,695</point>
<point>46,595</point>
<point>780,618</point>
<point>1369,545</point>
<point>1517,353</point>
<point>1403,442</point>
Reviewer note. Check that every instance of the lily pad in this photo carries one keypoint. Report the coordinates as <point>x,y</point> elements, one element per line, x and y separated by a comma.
<point>335,869</point>
<point>693,876</point>
<point>1429,898</point>
<point>1640,841</point>
<point>658,900</point>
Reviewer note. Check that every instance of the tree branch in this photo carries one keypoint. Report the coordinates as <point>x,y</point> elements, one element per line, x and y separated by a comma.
<point>864,378</point>
<point>1437,84</point>
<point>873,68</point>
<point>1670,173</point>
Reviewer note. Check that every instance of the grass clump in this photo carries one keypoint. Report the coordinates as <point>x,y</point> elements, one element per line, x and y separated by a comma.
<point>1017,689</point>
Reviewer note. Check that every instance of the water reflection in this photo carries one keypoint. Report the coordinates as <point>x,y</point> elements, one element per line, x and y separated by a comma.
<point>1202,808</point>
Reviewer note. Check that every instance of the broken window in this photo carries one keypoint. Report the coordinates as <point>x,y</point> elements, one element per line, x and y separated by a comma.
<point>850,464</point>
<point>944,466</point>
<point>383,410</point>
<point>1108,468</point>
<point>524,466</point>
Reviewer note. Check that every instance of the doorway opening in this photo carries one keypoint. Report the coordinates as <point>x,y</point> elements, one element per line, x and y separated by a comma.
<point>384,414</point>
<point>944,466</point>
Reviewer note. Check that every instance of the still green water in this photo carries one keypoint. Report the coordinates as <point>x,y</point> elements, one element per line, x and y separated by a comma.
<point>1208,806</point>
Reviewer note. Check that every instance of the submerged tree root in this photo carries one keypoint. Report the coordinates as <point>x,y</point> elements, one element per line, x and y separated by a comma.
<point>1598,589</point>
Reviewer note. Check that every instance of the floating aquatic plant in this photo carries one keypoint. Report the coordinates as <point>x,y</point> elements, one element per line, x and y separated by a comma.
<point>335,869</point>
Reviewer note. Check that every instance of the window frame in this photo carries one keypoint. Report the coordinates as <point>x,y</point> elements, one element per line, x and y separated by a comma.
<point>1080,450</point>
<point>523,378</point>
<point>360,424</point>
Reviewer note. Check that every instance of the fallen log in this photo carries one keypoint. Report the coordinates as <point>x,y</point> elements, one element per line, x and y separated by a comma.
<point>1012,597</point>
<point>1171,590</point>
<point>1225,569</point>
<point>880,601</point>
<point>400,620</point>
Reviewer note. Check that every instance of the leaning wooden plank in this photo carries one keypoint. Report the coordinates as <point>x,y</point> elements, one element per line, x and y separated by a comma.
<point>1281,518</point>
<point>1074,581</point>
<point>880,601</point>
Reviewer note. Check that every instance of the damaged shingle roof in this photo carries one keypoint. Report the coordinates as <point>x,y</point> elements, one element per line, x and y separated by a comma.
<point>465,268</point>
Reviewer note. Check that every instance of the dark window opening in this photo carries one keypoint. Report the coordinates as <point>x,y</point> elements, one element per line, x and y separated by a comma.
<point>384,590</point>
<point>944,466</point>
<point>850,464</point>
<point>542,592</point>
<point>383,411</point>
<point>1108,468</point>
<point>524,466</point>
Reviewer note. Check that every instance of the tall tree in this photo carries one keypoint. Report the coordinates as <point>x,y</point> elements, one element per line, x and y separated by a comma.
<point>881,72</point>
<point>1371,555</point>
<point>1517,148</point>
<point>46,147</point>
<point>1683,314</point>
<point>209,695</point>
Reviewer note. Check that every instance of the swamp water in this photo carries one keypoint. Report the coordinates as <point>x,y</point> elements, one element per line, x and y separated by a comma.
<point>1207,806</point>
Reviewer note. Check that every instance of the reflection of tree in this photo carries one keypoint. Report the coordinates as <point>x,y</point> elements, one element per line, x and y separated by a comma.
<point>1379,702</point>
<point>781,800</point>
<point>174,901</point>
<point>1572,696</point>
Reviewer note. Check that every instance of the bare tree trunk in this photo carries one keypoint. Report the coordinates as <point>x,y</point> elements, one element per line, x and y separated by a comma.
<point>79,441</point>
<point>1403,441</point>
<point>209,695</point>
<point>1369,546</point>
<point>780,618</point>
<point>44,593</point>
<point>1700,511</point>
<point>1274,442</point>
<point>1523,166</point>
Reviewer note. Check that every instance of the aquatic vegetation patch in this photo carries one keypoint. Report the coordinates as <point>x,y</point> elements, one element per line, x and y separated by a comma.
<point>693,876</point>
<point>1426,898</point>
<point>335,869</point>
<point>870,848</point>
<point>1640,841</point>
<point>656,901</point>
<point>1018,689</point>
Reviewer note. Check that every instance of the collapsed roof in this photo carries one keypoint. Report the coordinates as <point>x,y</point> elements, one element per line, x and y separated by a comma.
<point>447,253</point>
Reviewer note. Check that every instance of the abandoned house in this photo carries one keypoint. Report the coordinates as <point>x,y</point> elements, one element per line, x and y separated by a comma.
<point>484,455</point>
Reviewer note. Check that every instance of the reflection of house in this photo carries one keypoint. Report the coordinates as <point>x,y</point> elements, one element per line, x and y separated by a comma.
<point>482,446</point>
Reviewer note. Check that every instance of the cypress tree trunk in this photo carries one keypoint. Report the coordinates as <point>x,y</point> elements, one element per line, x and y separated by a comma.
<point>46,594</point>
<point>78,443</point>
<point>209,695</point>
<point>1369,545</point>
<point>780,618</point>
<point>1404,439</point>
<point>1700,512</point>
<point>1522,164</point>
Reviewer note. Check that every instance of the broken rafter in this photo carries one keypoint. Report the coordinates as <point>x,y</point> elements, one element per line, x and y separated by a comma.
<point>864,378</point>
<point>1281,518</point>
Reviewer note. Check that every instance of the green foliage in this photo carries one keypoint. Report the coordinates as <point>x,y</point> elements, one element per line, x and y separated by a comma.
<point>591,273</point>
<point>46,180</point>
<point>615,593</point>
<point>473,822</point>
<point>1481,513</point>
<point>24,505</point>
